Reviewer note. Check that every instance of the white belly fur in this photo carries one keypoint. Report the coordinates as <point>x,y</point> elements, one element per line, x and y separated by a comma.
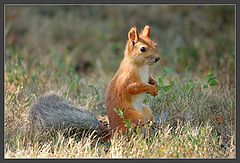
<point>137,99</point>
<point>144,73</point>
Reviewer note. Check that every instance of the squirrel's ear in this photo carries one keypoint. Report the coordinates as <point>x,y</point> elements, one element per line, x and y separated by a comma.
<point>133,35</point>
<point>146,31</point>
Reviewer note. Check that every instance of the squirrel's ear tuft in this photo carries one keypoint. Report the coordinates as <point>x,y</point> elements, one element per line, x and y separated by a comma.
<point>146,31</point>
<point>133,35</point>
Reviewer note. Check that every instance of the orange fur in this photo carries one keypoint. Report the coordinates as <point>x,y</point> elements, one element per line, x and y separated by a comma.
<point>133,79</point>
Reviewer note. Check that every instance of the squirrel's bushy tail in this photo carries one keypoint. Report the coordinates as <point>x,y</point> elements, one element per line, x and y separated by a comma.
<point>52,111</point>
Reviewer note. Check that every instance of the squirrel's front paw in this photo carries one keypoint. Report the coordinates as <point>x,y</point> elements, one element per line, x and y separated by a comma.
<point>153,90</point>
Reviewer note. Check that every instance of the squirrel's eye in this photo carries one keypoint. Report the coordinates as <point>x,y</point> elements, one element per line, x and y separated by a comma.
<point>143,49</point>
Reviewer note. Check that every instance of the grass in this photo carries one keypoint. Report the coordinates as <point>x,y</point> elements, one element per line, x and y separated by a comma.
<point>193,127</point>
<point>196,104</point>
<point>185,142</point>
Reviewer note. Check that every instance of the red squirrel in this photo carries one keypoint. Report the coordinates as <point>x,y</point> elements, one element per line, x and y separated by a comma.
<point>132,80</point>
<point>125,91</point>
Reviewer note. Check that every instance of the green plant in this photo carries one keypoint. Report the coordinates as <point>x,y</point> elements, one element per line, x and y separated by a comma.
<point>210,80</point>
<point>127,123</point>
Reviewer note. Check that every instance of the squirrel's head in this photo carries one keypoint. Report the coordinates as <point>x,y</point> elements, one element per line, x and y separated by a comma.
<point>140,48</point>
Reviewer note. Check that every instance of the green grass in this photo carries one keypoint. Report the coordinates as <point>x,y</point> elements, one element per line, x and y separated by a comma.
<point>196,102</point>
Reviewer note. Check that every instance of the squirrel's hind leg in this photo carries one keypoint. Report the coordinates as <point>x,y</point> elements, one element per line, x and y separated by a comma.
<point>130,115</point>
<point>147,112</point>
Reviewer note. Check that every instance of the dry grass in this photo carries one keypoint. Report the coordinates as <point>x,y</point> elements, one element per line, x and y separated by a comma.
<point>191,130</point>
<point>185,142</point>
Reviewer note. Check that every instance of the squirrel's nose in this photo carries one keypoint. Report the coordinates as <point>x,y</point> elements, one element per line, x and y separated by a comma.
<point>156,59</point>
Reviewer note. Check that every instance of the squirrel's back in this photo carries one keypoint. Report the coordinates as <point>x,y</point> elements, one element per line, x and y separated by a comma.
<point>53,111</point>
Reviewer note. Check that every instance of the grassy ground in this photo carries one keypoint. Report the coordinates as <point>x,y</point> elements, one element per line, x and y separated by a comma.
<point>196,102</point>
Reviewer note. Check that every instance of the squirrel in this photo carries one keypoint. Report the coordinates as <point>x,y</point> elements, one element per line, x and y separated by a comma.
<point>125,91</point>
<point>132,79</point>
